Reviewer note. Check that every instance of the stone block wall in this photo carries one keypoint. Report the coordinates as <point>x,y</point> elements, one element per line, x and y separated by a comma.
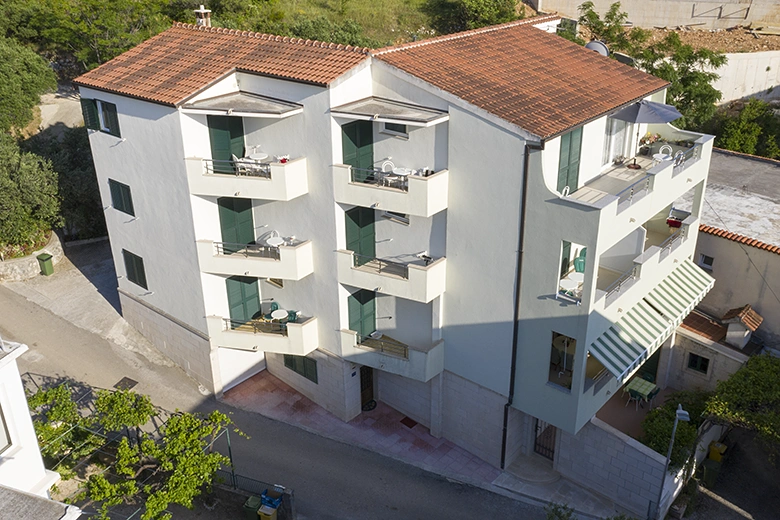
<point>611,463</point>
<point>337,388</point>
<point>19,269</point>
<point>410,397</point>
<point>723,362</point>
<point>185,346</point>
<point>472,417</point>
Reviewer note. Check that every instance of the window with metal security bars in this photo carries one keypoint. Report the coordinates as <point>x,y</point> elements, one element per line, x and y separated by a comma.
<point>5,438</point>
<point>302,365</point>
<point>100,115</point>
<point>121,198</point>
<point>698,363</point>
<point>134,267</point>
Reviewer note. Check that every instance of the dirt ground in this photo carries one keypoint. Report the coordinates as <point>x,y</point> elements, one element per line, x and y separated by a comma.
<point>739,39</point>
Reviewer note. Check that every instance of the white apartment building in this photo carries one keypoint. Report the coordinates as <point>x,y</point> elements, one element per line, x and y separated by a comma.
<point>437,225</point>
<point>24,481</point>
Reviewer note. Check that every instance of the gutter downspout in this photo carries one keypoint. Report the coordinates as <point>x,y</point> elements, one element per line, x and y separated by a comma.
<point>516,326</point>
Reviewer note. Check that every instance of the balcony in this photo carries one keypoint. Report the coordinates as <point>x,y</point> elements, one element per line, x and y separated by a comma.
<point>401,190</point>
<point>418,281</point>
<point>255,180</point>
<point>299,338</point>
<point>292,261</point>
<point>388,355</point>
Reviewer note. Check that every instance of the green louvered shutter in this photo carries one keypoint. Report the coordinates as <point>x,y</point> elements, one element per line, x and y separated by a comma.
<point>90,112</point>
<point>569,160</point>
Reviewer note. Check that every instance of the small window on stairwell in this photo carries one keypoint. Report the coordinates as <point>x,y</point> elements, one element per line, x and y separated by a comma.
<point>562,355</point>
<point>706,261</point>
<point>276,282</point>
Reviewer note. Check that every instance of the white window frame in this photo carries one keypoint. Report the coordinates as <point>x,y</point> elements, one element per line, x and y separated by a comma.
<point>703,264</point>
<point>396,133</point>
<point>395,216</point>
<point>103,126</point>
<point>5,434</point>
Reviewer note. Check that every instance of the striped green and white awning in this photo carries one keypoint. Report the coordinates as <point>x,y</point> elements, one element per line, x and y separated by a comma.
<point>638,334</point>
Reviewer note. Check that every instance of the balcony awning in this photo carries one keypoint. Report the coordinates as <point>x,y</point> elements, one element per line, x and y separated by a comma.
<point>638,334</point>
<point>390,111</point>
<point>244,104</point>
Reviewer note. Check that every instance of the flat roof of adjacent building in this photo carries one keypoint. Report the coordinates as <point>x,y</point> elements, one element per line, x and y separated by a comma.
<point>21,505</point>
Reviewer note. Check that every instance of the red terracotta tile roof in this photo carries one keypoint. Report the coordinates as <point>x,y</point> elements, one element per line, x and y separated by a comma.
<point>704,326</point>
<point>722,233</point>
<point>750,318</point>
<point>183,60</point>
<point>536,80</point>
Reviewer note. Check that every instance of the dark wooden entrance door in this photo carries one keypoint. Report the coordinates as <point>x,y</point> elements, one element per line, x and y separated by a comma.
<point>544,443</point>
<point>366,385</point>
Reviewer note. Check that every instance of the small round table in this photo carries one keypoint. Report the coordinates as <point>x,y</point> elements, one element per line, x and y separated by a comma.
<point>275,241</point>
<point>568,284</point>
<point>258,156</point>
<point>577,277</point>
<point>279,314</point>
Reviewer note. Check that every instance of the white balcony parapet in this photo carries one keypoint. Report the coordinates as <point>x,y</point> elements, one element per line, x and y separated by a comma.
<point>266,181</point>
<point>298,339</point>
<point>288,262</point>
<point>409,194</point>
<point>420,283</point>
<point>421,364</point>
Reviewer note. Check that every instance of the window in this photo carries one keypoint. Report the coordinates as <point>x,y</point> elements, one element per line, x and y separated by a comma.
<point>134,267</point>
<point>396,129</point>
<point>100,115</point>
<point>276,282</point>
<point>698,363</point>
<point>562,354</point>
<point>5,438</point>
<point>706,261</point>
<point>401,218</point>
<point>120,197</point>
<point>304,366</point>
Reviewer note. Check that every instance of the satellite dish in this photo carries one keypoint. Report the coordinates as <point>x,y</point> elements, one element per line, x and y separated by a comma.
<point>599,47</point>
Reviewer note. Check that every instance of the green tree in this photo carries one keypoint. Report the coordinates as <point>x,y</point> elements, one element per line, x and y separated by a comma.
<point>750,398</point>
<point>754,130</point>
<point>450,16</point>
<point>320,28</point>
<point>611,29</point>
<point>690,72</point>
<point>25,76</point>
<point>29,204</point>
<point>658,423</point>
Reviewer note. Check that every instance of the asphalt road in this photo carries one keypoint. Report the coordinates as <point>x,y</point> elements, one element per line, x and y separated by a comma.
<point>331,480</point>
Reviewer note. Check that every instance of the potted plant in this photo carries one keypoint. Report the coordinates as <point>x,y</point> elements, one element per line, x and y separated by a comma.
<point>618,160</point>
<point>282,158</point>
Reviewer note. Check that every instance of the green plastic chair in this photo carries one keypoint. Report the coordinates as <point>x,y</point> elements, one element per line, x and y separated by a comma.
<point>582,253</point>
<point>579,264</point>
<point>292,316</point>
<point>274,307</point>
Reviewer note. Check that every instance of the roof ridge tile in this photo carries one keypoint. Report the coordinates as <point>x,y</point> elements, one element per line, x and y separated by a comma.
<point>742,239</point>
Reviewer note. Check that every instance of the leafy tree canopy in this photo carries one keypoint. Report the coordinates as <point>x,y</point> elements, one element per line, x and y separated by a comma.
<point>611,29</point>
<point>658,424</point>
<point>451,16</point>
<point>755,129</point>
<point>324,30</point>
<point>25,76</point>
<point>750,398</point>
<point>29,203</point>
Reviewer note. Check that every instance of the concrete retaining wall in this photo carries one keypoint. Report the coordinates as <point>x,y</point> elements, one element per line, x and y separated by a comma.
<point>612,464</point>
<point>753,74</point>
<point>410,397</point>
<point>19,269</point>
<point>185,346</point>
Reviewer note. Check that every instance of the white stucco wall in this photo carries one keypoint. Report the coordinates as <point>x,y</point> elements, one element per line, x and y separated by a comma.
<point>740,271</point>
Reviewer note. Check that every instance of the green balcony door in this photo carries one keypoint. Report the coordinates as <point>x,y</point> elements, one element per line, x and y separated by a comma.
<point>569,160</point>
<point>226,135</point>
<point>243,299</point>
<point>362,312</point>
<point>361,237</point>
<point>357,144</point>
<point>235,220</point>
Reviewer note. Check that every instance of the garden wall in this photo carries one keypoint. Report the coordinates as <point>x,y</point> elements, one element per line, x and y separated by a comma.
<point>753,74</point>
<point>19,269</point>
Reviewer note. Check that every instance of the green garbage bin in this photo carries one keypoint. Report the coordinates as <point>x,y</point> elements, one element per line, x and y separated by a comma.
<point>710,470</point>
<point>251,506</point>
<point>47,266</point>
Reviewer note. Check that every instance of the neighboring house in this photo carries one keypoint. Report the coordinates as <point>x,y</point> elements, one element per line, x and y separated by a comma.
<point>699,15</point>
<point>739,238</point>
<point>24,482</point>
<point>437,225</point>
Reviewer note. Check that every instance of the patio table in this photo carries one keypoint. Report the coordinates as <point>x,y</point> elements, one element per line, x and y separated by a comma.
<point>640,386</point>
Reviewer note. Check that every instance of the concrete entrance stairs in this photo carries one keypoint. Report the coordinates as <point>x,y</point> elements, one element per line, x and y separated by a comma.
<point>533,469</point>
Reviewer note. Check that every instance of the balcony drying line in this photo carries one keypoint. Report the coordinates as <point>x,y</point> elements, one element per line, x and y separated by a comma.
<point>516,324</point>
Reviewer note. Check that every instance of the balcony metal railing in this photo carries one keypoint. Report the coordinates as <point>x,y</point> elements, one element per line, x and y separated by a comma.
<point>377,177</point>
<point>258,326</point>
<point>380,266</point>
<point>625,281</point>
<point>384,345</point>
<point>634,191</point>
<point>670,244</point>
<point>684,159</point>
<point>247,250</point>
<point>243,167</point>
